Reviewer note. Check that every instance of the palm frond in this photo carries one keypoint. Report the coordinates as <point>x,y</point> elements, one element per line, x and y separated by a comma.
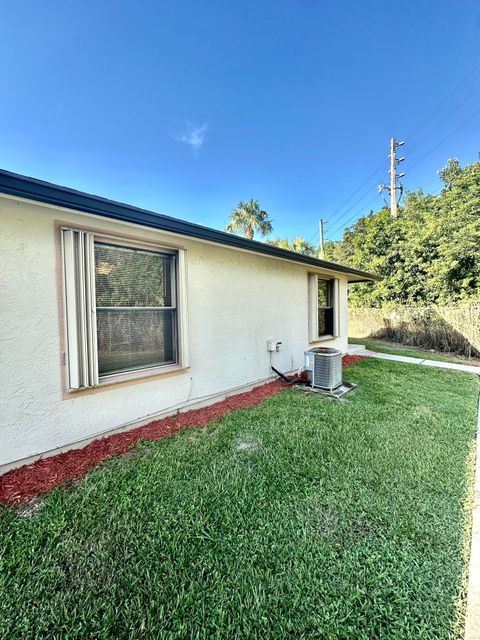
<point>248,217</point>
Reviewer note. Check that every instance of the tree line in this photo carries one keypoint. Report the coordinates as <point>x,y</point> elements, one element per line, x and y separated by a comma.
<point>429,254</point>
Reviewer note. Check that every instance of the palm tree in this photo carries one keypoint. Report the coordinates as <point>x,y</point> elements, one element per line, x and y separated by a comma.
<point>297,244</point>
<point>247,218</point>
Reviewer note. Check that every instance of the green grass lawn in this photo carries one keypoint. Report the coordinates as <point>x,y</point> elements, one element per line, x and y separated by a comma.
<point>304,517</point>
<point>383,346</point>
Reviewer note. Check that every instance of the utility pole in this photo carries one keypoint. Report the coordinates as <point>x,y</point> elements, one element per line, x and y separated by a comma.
<point>393,178</point>
<point>321,251</point>
<point>393,187</point>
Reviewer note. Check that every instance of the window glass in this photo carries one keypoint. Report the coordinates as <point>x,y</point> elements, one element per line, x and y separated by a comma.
<point>128,277</point>
<point>325,322</point>
<point>325,309</point>
<point>135,308</point>
<point>324,293</point>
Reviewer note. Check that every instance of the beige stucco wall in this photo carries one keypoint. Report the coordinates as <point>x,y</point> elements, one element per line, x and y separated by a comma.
<point>236,301</point>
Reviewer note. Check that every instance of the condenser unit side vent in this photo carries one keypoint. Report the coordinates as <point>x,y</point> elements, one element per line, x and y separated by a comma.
<point>324,366</point>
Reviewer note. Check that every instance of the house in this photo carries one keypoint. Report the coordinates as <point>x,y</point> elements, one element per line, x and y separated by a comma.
<point>112,316</point>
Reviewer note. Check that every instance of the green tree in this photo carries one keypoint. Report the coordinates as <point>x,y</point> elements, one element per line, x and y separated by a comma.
<point>247,218</point>
<point>297,244</point>
<point>450,173</point>
<point>429,254</point>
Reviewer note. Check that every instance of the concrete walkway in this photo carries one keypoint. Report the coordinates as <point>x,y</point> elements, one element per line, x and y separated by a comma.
<point>472,621</point>
<point>466,368</point>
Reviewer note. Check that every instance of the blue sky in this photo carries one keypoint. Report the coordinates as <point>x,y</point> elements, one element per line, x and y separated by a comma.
<point>188,107</point>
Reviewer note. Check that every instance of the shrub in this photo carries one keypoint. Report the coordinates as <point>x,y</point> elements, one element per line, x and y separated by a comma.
<point>452,329</point>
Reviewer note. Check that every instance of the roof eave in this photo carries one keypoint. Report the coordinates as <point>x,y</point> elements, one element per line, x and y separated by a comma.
<point>371,278</point>
<point>20,186</point>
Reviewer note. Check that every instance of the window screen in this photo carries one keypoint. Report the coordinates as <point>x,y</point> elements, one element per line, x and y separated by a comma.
<point>135,308</point>
<point>325,307</point>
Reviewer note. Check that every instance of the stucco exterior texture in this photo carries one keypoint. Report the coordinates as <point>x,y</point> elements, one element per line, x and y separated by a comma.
<point>237,300</point>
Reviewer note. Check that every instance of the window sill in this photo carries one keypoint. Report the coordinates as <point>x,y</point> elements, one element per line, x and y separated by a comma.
<point>322,339</point>
<point>130,377</point>
<point>139,374</point>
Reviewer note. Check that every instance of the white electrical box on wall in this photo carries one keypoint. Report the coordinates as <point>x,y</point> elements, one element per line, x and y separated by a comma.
<point>273,345</point>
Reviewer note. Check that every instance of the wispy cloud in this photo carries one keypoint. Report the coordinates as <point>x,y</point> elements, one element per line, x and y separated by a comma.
<point>193,136</point>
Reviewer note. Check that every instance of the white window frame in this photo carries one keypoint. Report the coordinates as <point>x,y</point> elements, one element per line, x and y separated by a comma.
<point>313,279</point>
<point>79,309</point>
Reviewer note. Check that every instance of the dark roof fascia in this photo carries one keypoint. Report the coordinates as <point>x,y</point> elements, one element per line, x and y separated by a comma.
<point>20,186</point>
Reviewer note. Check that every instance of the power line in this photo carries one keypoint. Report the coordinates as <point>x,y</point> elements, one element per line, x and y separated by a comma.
<point>444,120</point>
<point>356,215</point>
<point>442,102</point>
<point>445,139</point>
<point>434,110</point>
<point>472,70</point>
<point>357,190</point>
<point>353,205</point>
<point>465,122</point>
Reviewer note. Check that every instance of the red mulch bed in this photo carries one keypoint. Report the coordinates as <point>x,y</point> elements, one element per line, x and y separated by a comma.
<point>348,360</point>
<point>24,483</point>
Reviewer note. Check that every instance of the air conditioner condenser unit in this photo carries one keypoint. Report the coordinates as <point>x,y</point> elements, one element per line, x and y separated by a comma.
<point>324,367</point>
